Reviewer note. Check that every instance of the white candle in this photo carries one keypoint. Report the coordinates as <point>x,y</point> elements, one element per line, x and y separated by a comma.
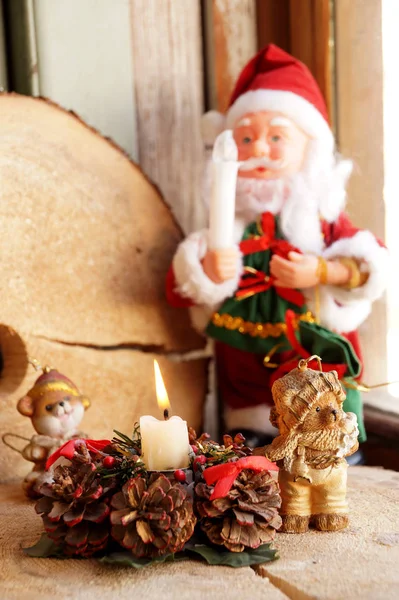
<point>164,444</point>
<point>223,196</point>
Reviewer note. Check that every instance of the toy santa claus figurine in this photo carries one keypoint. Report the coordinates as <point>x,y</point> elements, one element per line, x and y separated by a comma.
<point>299,278</point>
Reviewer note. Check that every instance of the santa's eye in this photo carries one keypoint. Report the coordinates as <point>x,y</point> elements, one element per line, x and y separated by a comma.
<point>275,138</point>
<point>66,398</point>
<point>49,407</point>
<point>246,140</point>
<point>318,409</point>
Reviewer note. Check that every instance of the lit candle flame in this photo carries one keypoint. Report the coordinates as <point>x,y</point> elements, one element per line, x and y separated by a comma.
<point>162,394</point>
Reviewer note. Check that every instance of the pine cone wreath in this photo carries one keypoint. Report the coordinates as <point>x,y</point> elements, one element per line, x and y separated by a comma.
<point>206,452</point>
<point>152,518</point>
<point>74,507</point>
<point>247,517</point>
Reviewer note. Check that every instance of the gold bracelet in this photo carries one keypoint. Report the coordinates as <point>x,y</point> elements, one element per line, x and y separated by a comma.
<point>322,270</point>
<point>355,279</point>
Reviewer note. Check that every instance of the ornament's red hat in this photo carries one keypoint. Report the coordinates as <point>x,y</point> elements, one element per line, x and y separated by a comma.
<point>52,380</point>
<point>273,80</point>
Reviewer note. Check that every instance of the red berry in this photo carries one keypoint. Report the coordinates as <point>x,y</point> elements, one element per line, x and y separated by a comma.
<point>200,460</point>
<point>194,449</point>
<point>180,475</point>
<point>108,462</point>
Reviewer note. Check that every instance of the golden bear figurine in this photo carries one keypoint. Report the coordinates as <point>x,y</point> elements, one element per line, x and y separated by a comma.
<point>315,436</point>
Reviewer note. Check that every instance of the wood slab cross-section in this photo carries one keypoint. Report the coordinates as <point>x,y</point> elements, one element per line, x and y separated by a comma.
<point>361,562</point>
<point>26,578</point>
<point>357,564</point>
<point>86,241</point>
<point>85,238</point>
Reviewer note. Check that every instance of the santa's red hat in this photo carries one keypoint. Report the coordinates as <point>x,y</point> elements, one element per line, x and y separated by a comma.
<point>276,81</point>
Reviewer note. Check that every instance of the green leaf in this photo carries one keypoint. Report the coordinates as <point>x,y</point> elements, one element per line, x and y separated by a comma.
<point>214,556</point>
<point>124,437</point>
<point>44,548</point>
<point>127,559</point>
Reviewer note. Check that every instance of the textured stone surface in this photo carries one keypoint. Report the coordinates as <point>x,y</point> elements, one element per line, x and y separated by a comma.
<point>358,563</point>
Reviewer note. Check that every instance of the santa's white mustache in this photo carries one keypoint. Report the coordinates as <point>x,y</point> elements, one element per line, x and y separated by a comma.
<point>262,161</point>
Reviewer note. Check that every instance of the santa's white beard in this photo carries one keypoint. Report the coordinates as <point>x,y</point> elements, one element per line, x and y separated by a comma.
<point>292,198</point>
<point>255,196</point>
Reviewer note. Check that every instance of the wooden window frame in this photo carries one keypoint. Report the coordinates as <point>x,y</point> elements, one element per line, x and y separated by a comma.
<point>341,43</point>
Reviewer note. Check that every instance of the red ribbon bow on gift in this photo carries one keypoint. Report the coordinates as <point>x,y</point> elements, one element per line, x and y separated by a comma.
<point>254,281</point>
<point>67,450</point>
<point>225,475</point>
<point>300,350</point>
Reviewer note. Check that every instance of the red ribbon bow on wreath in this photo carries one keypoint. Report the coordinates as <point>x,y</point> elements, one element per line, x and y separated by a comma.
<point>254,281</point>
<point>67,450</point>
<point>225,475</point>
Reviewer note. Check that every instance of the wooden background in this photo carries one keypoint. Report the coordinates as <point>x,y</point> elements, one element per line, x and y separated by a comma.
<point>144,71</point>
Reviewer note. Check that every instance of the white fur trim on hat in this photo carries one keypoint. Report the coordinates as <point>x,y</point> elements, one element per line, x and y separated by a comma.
<point>191,280</point>
<point>212,124</point>
<point>302,112</point>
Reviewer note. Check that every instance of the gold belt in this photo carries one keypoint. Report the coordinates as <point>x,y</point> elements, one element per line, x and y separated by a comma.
<point>262,330</point>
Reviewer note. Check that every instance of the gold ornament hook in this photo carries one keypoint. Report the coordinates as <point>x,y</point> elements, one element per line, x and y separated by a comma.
<point>13,435</point>
<point>37,366</point>
<point>303,363</point>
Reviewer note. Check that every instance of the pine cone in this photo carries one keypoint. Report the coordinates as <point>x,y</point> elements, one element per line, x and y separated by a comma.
<point>74,507</point>
<point>247,517</point>
<point>207,453</point>
<point>154,518</point>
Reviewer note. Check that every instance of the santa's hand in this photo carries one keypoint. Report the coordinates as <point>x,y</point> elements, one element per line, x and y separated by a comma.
<point>221,265</point>
<point>299,271</point>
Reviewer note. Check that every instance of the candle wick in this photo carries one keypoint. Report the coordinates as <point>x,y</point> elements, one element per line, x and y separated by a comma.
<point>166,414</point>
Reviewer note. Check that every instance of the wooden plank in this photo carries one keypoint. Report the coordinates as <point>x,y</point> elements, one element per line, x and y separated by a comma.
<point>390,16</point>
<point>19,19</point>
<point>301,27</point>
<point>359,77</point>
<point>323,566</point>
<point>273,23</point>
<point>310,37</point>
<point>167,58</point>
<point>301,30</point>
<point>232,41</point>
<point>322,52</point>
<point>3,68</point>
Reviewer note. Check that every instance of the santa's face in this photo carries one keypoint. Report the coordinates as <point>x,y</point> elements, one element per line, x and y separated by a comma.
<point>271,145</point>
